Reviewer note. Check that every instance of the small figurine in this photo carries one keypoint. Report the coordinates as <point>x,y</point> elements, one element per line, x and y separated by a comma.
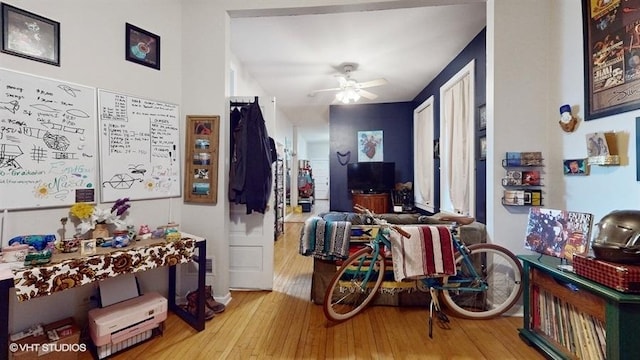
<point>158,233</point>
<point>144,232</point>
<point>120,241</point>
<point>131,231</point>
<point>567,121</point>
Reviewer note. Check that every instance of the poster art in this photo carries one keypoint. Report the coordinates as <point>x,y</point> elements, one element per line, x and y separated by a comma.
<point>370,146</point>
<point>558,233</point>
<point>612,56</point>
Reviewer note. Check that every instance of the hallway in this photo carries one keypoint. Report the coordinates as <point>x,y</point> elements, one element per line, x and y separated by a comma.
<point>320,206</point>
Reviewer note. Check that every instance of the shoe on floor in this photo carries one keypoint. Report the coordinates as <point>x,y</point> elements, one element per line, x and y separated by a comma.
<point>193,310</point>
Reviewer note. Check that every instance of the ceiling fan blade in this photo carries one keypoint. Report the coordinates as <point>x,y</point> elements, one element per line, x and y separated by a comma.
<point>368,95</point>
<point>323,90</point>
<point>372,83</point>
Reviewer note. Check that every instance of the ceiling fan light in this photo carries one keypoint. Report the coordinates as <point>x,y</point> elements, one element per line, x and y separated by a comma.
<point>355,96</point>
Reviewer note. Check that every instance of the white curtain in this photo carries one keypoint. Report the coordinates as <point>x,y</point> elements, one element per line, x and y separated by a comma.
<point>459,142</point>
<point>423,163</point>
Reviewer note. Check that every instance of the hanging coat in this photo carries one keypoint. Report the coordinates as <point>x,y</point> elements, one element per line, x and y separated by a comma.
<point>253,151</point>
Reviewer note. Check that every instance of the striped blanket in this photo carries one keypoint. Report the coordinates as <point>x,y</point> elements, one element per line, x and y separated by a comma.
<point>326,240</point>
<point>428,253</point>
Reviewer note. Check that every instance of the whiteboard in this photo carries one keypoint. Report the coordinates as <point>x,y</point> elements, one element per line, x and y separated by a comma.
<point>139,147</point>
<point>47,142</point>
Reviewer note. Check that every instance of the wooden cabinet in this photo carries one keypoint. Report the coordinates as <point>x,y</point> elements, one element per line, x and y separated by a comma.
<point>378,203</point>
<point>567,316</point>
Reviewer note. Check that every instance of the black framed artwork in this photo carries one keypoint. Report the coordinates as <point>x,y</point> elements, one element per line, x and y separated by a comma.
<point>482,117</point>
<point>482,148</point>
<point>30,36</point>
<point>142,47</point>
<point>611,57</point>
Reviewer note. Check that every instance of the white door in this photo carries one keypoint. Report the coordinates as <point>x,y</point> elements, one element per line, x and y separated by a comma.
<point>320,170</point>
<point>251,236</point>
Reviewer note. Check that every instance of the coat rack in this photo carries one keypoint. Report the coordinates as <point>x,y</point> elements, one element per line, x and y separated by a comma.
<point>237,102</point>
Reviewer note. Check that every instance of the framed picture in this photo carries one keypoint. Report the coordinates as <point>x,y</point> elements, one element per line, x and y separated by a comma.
<point>482,148</point>
<point>575,167</point>
<point>370,146</point>
<point>201,170</point>
<point>482,117</point>
<point>30,36</point>
<point>611,57</point>
<point>88,247</point>
<point>142,47</point>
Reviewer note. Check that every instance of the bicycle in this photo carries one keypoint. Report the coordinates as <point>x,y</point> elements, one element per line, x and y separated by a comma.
<point>487,281</point>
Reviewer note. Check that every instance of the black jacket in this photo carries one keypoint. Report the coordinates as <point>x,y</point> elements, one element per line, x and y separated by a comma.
<point>254,152</point>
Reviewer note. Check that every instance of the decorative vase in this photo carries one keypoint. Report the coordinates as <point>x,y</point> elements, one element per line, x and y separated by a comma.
<point>100,231</point>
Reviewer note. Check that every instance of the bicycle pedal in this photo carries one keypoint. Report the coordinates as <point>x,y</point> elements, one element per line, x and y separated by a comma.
<point>442,317</point>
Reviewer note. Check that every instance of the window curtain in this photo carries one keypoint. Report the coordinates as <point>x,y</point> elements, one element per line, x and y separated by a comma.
<point>424,158</point>
<point>458,142</point>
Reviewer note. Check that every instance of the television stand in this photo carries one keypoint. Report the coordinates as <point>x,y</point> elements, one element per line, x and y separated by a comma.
<point>378,203</point>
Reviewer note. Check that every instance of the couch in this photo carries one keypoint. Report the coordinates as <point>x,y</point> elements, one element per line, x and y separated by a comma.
<point>324,270</point>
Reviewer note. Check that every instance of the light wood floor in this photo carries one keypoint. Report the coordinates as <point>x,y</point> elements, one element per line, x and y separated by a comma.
<point>284,324</point>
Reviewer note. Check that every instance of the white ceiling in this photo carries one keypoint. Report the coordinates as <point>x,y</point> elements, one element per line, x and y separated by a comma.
<point>290,56</point>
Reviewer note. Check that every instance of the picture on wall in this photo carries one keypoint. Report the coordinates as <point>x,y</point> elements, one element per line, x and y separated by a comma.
<point>611,57</point>
<point>370,146</point>
<point>575,167</point>
<point>201,172</point>
<point>482,117</point>
<point>142,47</point>
<point>30,36</point>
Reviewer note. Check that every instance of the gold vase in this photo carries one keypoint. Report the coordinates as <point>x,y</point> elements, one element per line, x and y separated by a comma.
<point>100,231</point>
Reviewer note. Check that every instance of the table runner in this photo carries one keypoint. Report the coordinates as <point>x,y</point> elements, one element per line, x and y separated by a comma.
<point>43,280</point>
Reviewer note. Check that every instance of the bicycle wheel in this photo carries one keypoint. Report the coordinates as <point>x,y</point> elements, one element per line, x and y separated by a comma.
<point>499,270</point>
<point>347,293</point>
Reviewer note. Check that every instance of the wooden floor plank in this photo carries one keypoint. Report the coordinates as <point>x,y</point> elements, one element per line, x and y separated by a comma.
<point>285,324</point>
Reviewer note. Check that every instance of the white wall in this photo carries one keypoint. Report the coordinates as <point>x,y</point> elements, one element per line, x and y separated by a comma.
<point>318,150</point>
<point>529,76</point>
<point>92,53</point>
<point>606,188</point>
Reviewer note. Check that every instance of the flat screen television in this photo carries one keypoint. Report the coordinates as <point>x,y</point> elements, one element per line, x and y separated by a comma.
<point>371,177</point>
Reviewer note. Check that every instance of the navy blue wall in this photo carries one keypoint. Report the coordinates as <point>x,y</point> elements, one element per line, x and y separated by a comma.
<point>396,122</point>
<point>476,50</point>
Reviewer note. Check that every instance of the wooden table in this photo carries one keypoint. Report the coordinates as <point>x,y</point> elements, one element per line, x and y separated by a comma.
<point>156,252</point>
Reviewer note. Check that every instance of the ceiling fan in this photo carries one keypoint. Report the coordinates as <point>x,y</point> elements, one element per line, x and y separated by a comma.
<point>349,89</point>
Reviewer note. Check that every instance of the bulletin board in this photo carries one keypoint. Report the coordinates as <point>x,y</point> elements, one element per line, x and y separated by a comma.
<point>139,147</point>
<point>47,142</point>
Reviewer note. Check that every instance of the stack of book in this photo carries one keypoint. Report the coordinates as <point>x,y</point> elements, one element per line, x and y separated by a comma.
<point>527,158</point>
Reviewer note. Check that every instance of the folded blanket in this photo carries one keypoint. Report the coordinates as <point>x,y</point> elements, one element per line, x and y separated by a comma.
<point>428,253</point>
<point>326,240</point>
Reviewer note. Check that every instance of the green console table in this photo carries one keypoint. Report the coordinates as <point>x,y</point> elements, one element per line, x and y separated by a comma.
<point>567,316</point>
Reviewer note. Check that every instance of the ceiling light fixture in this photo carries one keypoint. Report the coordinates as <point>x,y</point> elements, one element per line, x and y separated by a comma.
<point>348,94</point>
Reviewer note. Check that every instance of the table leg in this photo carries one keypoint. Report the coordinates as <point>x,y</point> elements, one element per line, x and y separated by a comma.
<point>5,286</point>
<point>196,322</point>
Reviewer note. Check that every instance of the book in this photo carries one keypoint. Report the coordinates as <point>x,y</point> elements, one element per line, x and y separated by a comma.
<point>531,177</point>
<point>527,158</point>
<point>513,177</point>
<point>533,197</point>
<point>513,197</point>
<point>597,144</point>
<point>558,233</point>
<point>513,158</point>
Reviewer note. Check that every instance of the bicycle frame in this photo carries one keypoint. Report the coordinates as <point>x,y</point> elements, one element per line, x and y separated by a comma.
<point>375,245</point>
<point>473,281</point>
<point>470,282</point>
